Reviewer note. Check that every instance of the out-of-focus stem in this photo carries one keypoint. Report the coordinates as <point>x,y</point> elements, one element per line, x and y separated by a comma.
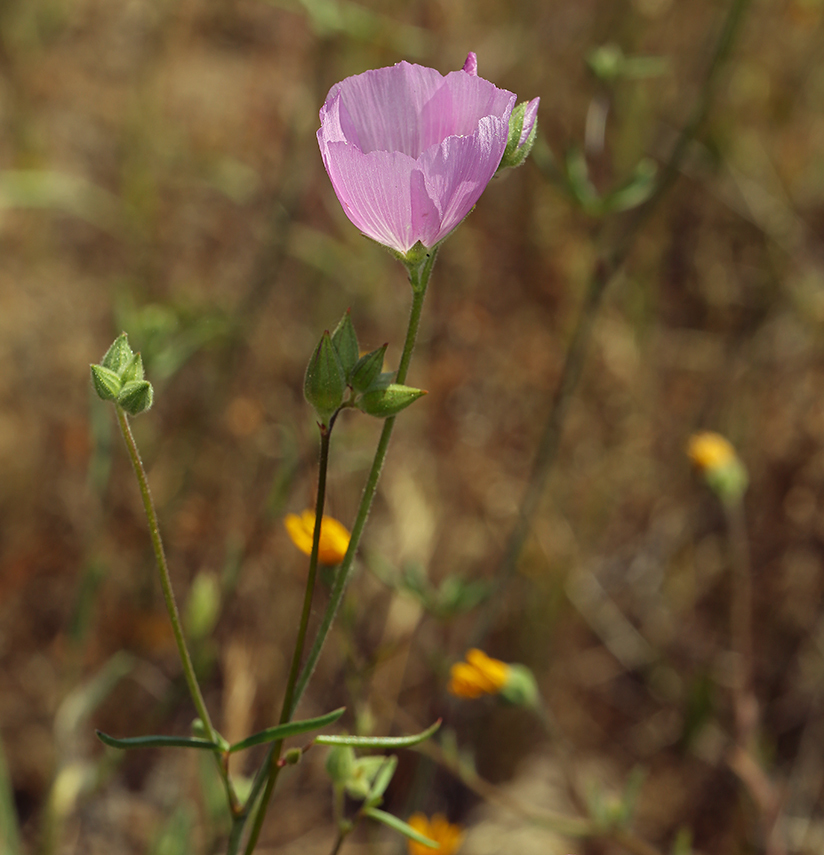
<point>606,270</point>
<point>743,757</point>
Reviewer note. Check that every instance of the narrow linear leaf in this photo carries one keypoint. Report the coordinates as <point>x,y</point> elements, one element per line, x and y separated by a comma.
<point>291,728</point>
<point>157,742</point>
<point>379,741</point>
<point>400,826</point>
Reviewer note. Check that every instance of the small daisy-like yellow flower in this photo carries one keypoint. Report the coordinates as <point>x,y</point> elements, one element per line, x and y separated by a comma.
<point>710,451</point>
<point>448,837</point>
<point>334,537</point>
<point>479,675</point>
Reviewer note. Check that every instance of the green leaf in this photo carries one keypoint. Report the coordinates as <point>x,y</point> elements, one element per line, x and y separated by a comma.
<point>156,742</point>
<point>291,728</point>
<point>378,741</point>
<point>382,780</point>
<point>400,826</point>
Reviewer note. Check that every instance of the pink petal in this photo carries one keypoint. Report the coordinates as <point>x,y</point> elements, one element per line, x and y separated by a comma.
<point>530,115</point>
<point>375,190</point>
<point>380,107</point>
<point>457,172</point>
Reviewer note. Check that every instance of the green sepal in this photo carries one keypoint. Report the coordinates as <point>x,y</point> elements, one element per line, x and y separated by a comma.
<point>381,781</point>
<point>133,370</point>
<point>359,783</point>
<point>521,689</point>
<point>387,402</point>
<point>325,380</point>
<point>157,742</point>
<point>400,826</point>
<point>517,152</point>
<point>291,728</point>
<point>106,382</point>
<point>118,355</point>
<point>367,370</point>
<point>136,397</point>
<point>345,340</point>
<point>378,741</point>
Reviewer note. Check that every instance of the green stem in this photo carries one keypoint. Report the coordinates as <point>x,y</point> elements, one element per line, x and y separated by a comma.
<point>270,765</point>
<point>165,579</point>
<point>419,279</point>
<point>171,604</point>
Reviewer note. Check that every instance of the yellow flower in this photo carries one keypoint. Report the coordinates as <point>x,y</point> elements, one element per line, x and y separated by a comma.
<point>448,837</point>
<point>479,675</point>
<point>334,538</point>
<point>710,451</point>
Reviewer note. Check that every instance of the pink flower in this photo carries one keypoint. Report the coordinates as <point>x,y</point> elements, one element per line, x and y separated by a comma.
<point>409,152</point>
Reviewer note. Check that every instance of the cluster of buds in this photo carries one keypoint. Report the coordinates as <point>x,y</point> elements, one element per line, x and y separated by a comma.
<point>119,378</point>
<point>338,376</point>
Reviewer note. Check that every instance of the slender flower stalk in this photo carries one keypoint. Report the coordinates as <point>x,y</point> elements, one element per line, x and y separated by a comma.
<point>169,598</point>
<point>267,776</point>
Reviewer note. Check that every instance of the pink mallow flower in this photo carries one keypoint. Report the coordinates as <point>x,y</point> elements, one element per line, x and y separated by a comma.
<point>409,151</point>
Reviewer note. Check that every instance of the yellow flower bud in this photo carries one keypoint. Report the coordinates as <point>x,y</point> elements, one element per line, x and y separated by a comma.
<point>334,537</point>
<point>479,675</point>
<point>710,451</point>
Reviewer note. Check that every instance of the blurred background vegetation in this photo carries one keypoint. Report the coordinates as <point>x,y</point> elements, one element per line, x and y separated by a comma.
<point>159,175</point>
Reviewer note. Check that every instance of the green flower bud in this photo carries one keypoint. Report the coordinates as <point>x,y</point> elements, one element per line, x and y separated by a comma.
<point>325,380</point>
<point>118,355</point>
<point>136,397</point>
<point>368,369</point>
<point>107,383</point>
<point>340,763</point>
<point>345,340</point>
<point>292,756</point>
<point>388,401</point>
<point>202,606</point>
<point>523,129</point>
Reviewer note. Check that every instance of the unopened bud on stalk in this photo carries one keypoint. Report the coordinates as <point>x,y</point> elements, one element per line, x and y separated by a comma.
<point>119,378</point>
<point>325,381</point>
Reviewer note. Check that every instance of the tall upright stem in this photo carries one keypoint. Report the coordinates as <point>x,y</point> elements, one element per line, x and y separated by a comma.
<point>267,777</point>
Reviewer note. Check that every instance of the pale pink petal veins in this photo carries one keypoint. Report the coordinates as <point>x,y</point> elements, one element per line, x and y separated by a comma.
<point>460,103</point>
<point>458,170</point>
<point>381,107</point>
<point>375,191</point>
